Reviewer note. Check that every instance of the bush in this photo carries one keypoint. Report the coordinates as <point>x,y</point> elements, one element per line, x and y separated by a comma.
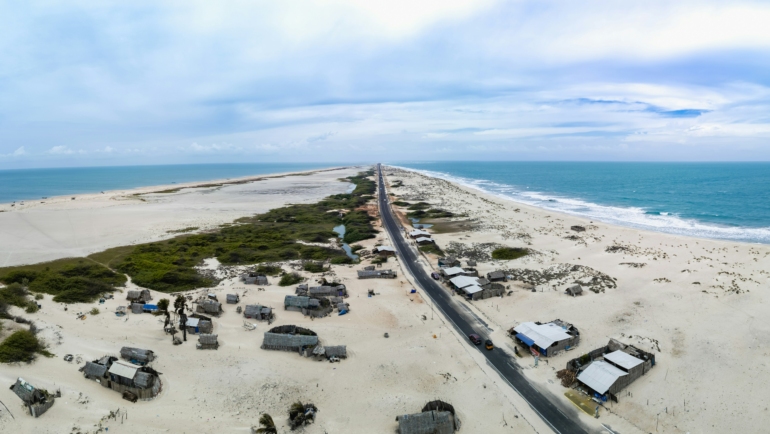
<point>314,267</point>
<point>38,296</point>
<point>289,279</point>
<point>342,260</point>
<point>508,253</point>
<point>400,203</point>
<point>21,346</point>
<point>163,304</point>
<point>94,311</point>
<point>16,295</point>
<point>432,248</point>
<point>356,247</point>
<point>269,270</point>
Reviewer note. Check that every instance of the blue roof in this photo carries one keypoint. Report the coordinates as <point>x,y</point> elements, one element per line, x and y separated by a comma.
<point>525,339</point>
<point>150,307</point>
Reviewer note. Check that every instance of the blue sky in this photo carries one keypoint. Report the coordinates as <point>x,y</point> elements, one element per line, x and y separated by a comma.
<point>100,83</point>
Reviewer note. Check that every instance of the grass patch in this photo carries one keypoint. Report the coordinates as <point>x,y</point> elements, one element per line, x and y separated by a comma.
<point>21,346</point>
<point>184,230</point>
<point>356,247</point>
<point>432,248</point>
<point>94,311</point>
<point>71,280</point>
<point>289,279</point>
<point>16,295</point>
<point>433,213</point>
<point>400,203</point>
<point>268,269</point>
<point>314,267</point>
<point>508,253</point>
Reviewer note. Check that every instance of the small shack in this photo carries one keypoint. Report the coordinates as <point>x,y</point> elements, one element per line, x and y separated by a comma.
<point>449,261</point>
<point>289,338</point>
<point>197,325</point>
<point>437,417</point>
<point>209,306</point>
<point>385,251</point>
<point>328,291</point>
<point>497,276</point>
<point>547,339</point>
<point>329,352</point>
<point>207,342</point>
<point>471,263</point>
<point>450,272</point>
<point>577,228</point>
<point>574,290</point>
<point>37,401</point>
<point>374,274</point>
<point>139,382</point>
<point>141,297</point>
<point>424,241</point>
<point>252,278</point>
<point>417,233</point>
<point>137,356</point>
<point>137,308</point>
<point>258,312</point>
<point>233,298</point>
<point>309,306</point>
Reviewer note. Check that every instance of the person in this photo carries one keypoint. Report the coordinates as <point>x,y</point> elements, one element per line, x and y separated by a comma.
<point>596,414</point>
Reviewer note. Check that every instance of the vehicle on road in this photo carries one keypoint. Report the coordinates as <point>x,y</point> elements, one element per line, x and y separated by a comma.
<point>435,275</point>
<point>476,339</point>
<point>489,345</point>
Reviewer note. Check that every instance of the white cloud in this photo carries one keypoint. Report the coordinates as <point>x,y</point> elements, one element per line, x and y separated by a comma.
<point>61,150</point>
<point>19,151</point>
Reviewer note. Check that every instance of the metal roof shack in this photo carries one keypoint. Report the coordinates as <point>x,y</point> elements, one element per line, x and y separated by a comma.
<point>137,355</point>
<point>424,240</point>
<point>374,274</point>
<point>38,401</point>
<point>123,369</point>
<point>385,250</point>
<point>600,376</point>
<point>461,282</point>
<point>623,360</point>
<point>496,276</point>
<point>419,233</point>
<point>547,339</point>
<point>452,271</point>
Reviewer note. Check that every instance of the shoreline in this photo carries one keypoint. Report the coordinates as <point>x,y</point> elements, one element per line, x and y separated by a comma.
<point>458,181</point>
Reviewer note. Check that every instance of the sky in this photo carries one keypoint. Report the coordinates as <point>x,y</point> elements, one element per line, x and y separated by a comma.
<point>86,83</point>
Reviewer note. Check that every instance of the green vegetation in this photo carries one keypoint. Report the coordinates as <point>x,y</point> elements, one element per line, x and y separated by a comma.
<point>433,213</point>
<point>314,267</point>
<point>71,280</point>
<point>184,230</point>
<point>16,295</point>
<point>356,247</point>
<point>21,346</point>
<point>507,253</point>
<point>380,260</point>
<point>432,248</point>
<point>289,279</point>
<point>419,206</point>
<point>400,203</point>
<point>269,269</point>
<point>163,304</point>
<point>94,311</point>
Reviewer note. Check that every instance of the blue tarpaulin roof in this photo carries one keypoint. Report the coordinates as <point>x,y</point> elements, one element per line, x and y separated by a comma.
<point>525,339</point>
<point>150,307</point>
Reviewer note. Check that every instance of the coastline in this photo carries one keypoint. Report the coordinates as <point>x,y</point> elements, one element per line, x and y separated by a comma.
<point>629,217</point>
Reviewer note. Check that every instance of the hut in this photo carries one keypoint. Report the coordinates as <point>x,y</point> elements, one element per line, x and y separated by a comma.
<point>423,241</point>
<point>258,312</point>
<point>577,228</point>
<point>329,352</point>
<point>328,291</point>
<point>385,251</point>
<point>139,382</point>
<point>547,339</point>
<point>254,279</point>
<point>289,338</point>
<point>574,290</point>
<point>497,276</point>
<point>207,342</point>
<point>373,274</point>
<point>297,303</point>
<point>196,325</point>
<point>233,298</point>
<point>449,261</point>
<point>437,417</point>
<point>140,297</point>
<point>471,263</point>
<point>137,308</point>
<point>418,233</point>
<point>451,272</point>
<point>209,306</point>
<point>137,356</point>
<point>37,401</point>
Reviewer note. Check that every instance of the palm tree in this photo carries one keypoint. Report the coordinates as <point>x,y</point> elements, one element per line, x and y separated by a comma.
<point>267,425</point>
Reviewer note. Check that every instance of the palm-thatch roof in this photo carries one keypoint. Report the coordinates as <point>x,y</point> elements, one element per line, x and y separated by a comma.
<point>94,370</point>
<point>137,354</point>
<point>233,298</point>
<point>144,380</point>
<point>301,302</point>
<point>210,306</point>
<point>340,351</point>
<point>289,337</point>
<point>429,422</point>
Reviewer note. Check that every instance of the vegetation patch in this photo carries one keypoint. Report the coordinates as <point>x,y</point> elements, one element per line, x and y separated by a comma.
<point>400,203</point>
<point>289,279</point>
<point>432,248</point>
<point>508,253</point>
<point>21,346</point>
<point>16,295</point>
<point>71,280</point>
<point>314,267</point>
<point>268,269</point>
<point>184,230</point>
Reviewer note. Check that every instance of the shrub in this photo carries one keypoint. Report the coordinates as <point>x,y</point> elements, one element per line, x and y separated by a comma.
<point>508,253</point>
<point>356,247</point>
<point>314,267</point>
<point>432,248</point>
<point>21,346</point>
<point>289,279</point>
<point>269,270</point>
<point>94,311</point>
<point>163,304</point>
<point>342,260</point>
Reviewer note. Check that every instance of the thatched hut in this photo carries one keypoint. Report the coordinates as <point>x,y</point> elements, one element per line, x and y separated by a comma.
<point>210,307</point>
<point>574,290</point>
<point>297,303</point>
<point>375,274</point>
<point>137,308</point>
<point>137,356</point>
<point>258,312</point>
<point>37,401</point>
<point>254,279</point>
<point>233,298</point>
<point>126,378</point>
<point>207,342</point>
<point>140,297</point>
<point>428,422</point>
<point>289,338</point>
<point>328,291</point>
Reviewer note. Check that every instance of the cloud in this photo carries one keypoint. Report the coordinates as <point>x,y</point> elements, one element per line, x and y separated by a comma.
<point>61,150</point>
<point>320,137</point>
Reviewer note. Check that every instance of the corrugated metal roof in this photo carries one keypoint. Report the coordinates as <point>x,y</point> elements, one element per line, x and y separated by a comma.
<point>600,376</point>
<point>122,369</point>
<point>463,281</point>
<point>624,360</point>
<point>451,271</point>
<point>417,232</point>
<point>542,334</point>
<point>385,249</point>
<point>472,289</point>
<point>424,240</point>
<point>192,322</point>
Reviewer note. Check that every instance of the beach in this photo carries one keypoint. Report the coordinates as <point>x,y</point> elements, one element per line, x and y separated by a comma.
<point>696,304</point>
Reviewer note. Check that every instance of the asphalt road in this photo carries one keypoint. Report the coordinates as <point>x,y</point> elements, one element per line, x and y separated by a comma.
<point>560,420</point>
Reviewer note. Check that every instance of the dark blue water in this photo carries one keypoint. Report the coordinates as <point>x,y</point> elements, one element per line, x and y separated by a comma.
<point>713,200</point>
<point>28,184</point>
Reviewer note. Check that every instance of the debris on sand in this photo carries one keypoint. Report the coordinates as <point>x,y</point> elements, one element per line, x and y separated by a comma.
<point>562,274</point>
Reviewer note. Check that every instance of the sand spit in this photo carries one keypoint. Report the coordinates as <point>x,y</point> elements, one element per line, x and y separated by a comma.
<point>226,390</point>
<point>698,305</point>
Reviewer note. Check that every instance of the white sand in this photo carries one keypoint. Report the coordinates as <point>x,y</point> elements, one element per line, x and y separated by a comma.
<point>712,364</point>
<point>226,390</point>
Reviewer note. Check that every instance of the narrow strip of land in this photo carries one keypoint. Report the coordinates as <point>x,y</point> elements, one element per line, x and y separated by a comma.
<point>465,324</point>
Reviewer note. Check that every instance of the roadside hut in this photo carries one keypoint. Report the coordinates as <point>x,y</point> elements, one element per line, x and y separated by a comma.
<point>140,297</point>
<point>424,241</point>
<point>385,251</point>
<point>37,401</point>
<point>289,338</point>
<point>374,274</point>
<point>437,417</point>
<point>449,261</point>
<point>137,356</point>
<point>417,233</point>
<point>207,342</point>
<point>451,272</point>
<point>233,298</point>
<point>574,290</point>
<point>546,339</point>
<point>209,306</point>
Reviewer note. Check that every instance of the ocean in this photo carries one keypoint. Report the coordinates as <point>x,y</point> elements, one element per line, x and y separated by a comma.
<point>29,184</point>
<point>728,201</point>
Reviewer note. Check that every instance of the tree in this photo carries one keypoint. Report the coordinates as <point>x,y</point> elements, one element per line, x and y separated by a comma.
<point>180,303</point>
<point>301,414</point>
<point>163,304</point>
<point>267,426</point>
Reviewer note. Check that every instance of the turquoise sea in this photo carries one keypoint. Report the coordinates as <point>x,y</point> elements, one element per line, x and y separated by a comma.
<point>711,200</point>
<point>29,184</point>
